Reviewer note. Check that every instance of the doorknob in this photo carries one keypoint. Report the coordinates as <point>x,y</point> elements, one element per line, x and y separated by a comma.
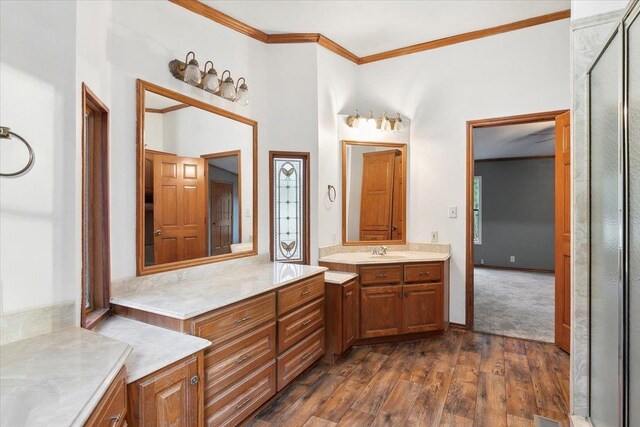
<point>158,232</point>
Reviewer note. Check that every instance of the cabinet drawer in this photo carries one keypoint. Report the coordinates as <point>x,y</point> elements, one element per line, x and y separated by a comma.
<point>224,324</point>
<point>423,273</point>
<point>227,364</point>
<point>380,275</point>
<point>299,358</point>
<point>112,408</point>
<point>299,324</point>
<point>299,294</point>
<point>232,407</point>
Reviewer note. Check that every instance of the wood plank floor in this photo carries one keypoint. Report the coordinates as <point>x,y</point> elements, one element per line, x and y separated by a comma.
<point>461,379</point>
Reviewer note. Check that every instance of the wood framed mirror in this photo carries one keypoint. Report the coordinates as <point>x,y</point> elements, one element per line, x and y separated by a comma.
<point>196,182</point>
<point>374,193</point>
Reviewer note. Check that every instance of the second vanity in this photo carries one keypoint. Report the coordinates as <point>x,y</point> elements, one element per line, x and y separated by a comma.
<point>396,296</point>
<point>264,323</point>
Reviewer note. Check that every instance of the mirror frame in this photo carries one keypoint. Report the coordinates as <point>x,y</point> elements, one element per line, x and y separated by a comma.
<point>143,86</point>
<point>397,145</point>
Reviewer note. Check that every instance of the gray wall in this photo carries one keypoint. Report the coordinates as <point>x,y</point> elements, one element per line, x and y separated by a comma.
<point>517,213</point>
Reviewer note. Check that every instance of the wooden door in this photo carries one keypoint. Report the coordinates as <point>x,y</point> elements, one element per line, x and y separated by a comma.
<point>422,308</point>
<point>381,310</point>
<point>349,315</point>
<point>179,208</point>
<point>221,210</point>
<point>377,195</point>
<point>563,232</point>
<point>397,216</point>
<point>170,398</point>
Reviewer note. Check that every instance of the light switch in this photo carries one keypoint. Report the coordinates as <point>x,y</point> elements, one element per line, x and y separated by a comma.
<point>434,237</point>
<point>453,212</point>
<point>512,258</point>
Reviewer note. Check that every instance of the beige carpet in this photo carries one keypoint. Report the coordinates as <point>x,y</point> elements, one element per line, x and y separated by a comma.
<point>515,304</point>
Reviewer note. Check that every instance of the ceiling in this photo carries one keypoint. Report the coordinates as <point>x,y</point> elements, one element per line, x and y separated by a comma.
<point>228,163</point>
<point>159,102</point>
<point>368,27</point>
<point>531,139</point>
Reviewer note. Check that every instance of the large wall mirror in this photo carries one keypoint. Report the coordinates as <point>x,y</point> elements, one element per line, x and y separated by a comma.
<point>197,190</point>
<point>373,193</point>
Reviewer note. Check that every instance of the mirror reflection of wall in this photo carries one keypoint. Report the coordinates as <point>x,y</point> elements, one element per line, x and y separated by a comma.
<point>197,181</point>
<point>374,192</point>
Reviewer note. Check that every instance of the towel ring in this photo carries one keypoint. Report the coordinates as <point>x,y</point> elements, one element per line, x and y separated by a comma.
<point>6,133</point>
<point>331,190</point>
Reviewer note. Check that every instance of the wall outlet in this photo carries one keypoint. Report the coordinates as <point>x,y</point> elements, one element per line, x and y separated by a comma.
<point>482,261</point>
<point>434,237</point>
<point>512,259</point>
<point>453,212</point>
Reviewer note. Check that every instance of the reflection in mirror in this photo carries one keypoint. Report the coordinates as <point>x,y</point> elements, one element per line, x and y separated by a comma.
<point>373,192</point>
<point>198,182</point>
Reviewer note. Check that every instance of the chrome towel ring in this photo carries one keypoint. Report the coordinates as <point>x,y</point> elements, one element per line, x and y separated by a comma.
<point>6,133</point>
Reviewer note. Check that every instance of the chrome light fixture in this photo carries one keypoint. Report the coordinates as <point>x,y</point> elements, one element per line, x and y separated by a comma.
<point>227,90</point>
<point>210,83</point>
<point>242,92</point>
<point>398,125</point>
<point>192,70</point>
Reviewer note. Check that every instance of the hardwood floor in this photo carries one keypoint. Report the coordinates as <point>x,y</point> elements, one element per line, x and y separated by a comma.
<point>461,379</point>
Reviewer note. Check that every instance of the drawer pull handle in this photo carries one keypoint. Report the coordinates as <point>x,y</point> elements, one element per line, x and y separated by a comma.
<point>306,322</point>
<point>244,402</point>
<point>195,380</point>
<point>115,420</point>
<point>306,356</point>
<point>381,276</point>
<point>305,293</point>
<point>244,319</point>
<point>243,358</point>
<point>348,294</point>
<point>423,273</point>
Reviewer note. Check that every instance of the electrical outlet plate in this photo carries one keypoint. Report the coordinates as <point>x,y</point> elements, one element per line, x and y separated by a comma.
<point>453,211</point>
<point>512,259</point>
<point>434,237</point>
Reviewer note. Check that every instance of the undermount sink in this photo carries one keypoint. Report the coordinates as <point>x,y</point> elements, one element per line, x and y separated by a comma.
<point>383,257</point>
<point>20,396</point>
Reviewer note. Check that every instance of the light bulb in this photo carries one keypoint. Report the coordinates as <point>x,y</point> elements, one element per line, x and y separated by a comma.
<point>385,123</point>
<point>242,93</point>
<point>371,121</point>
<point>399,125</point>
<point>228,90</point>
<point>192,71</point>
<point>210,83</point>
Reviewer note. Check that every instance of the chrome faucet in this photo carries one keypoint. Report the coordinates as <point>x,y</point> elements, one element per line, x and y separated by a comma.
<point>382,250</point>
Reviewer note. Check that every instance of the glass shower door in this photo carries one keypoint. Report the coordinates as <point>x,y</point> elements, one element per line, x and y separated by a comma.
<point>605,235</point>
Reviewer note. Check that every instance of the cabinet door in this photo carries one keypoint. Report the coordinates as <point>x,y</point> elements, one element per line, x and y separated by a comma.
<point>349,315</point>
<point>381,310</point>
<point>422,308</point>
<point>170,398</point>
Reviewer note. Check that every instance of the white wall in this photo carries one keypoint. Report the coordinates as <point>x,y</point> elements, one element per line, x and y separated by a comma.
<point>519,72</point>
<point>585,8</point>
<point>37,210</point>
<point>154,131</point>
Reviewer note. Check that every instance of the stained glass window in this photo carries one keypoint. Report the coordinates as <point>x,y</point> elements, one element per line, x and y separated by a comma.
<point>477,210</point>
<point>288,209</point>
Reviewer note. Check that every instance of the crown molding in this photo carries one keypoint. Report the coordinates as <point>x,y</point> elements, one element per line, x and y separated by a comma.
<point>239,26</point>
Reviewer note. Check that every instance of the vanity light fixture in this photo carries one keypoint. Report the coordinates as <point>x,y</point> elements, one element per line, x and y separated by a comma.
<point>189,72</point>
<point>398,125</point>
<point>385,124</point>
<point>242,92</point>
<point>227,89</point>
<point>192,70</point>
<point>354,120</point>
<point>371,121</point>
<point>210,83</point>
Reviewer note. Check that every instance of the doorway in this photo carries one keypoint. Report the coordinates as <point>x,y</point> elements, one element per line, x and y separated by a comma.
<point>518,223</point>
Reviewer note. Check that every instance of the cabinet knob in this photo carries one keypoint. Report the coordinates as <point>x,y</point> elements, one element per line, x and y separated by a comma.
<point>195,380</point>
<point>157,232</point>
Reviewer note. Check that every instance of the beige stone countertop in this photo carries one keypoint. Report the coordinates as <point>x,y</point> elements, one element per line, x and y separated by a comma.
<point>153,348</point>
<point>57,379</point>
<point>338,277</point>
<point>189,298</point>
<point>391,257</point>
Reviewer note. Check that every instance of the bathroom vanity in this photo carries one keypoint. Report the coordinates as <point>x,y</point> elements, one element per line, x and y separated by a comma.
<point>397,296</point>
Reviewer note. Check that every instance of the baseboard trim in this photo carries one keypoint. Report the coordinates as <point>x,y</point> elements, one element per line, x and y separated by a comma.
<point>499,267</point>
<point>461,326</point>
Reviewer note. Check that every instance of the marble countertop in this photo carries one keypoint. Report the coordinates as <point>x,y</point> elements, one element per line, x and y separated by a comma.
<point>338,277</point>
<point>390,258</point>
<point>190,298</point>
<point>153,348</point>
<point>57,379</point>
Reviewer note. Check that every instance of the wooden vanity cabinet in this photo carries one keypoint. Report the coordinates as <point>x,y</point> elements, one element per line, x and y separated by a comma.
<point>422,309</point>
<point>341,317</point>
<point>168,397</point>
<point>380,310</point>
<point>112,408</point>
